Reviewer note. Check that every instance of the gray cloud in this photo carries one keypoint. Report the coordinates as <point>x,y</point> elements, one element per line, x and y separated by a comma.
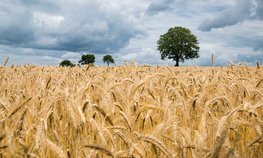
<point>259,9</point>
<point>159,6</point>
<point>15,28</point>
<point>238,13</point>
<point>68,26</point>
<point>242,10</point>
<point>256,43</point>
<point>249,59</point>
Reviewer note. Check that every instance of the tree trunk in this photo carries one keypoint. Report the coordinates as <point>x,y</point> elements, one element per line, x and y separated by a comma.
<point>177,62</point>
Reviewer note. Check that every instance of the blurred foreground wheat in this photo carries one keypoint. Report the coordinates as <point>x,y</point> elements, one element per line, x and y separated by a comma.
<point>131,111</point>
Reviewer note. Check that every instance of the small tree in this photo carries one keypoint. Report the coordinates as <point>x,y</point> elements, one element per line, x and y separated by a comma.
<point>178,44</point>
<point>108,59</point>
<point>87,59</point>
<point>66,63</point>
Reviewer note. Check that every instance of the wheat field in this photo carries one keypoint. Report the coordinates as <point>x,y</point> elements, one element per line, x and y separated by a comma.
<point>131,111</point>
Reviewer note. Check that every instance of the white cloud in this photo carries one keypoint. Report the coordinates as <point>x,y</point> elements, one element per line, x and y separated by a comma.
<point>44,20</point>
<point>147,56</point>
<point>46,57</point>
<point>69,55</point>
<point>28,51</point>
<point>72,56</point>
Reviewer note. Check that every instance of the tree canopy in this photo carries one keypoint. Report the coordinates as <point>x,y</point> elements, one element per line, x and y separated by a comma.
<point>108,59</point>
<point>178,44</point>
<point>66,63</point>
<point>87,59</point>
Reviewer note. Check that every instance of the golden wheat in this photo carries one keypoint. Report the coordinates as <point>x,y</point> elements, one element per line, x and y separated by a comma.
<point>131,111</point>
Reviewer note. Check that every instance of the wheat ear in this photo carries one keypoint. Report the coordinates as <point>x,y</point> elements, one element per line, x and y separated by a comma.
<point>155,142</point>
<point>19,107</point>
<point>101,149</point>
<point>2,137</point>
<point>220,138</point>
<point>257,139</point>
<point>54,147</point>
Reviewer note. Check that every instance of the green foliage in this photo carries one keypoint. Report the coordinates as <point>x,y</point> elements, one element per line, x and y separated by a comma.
<point>66,63</point>
<point>87,59</point>
<point>178,44</point>
<point>108,59</point>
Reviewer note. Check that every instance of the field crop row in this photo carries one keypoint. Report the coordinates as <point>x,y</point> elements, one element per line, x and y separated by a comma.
<point>131,111</point>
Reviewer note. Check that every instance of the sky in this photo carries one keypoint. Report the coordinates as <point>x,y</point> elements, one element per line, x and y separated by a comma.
<point>45,32</point>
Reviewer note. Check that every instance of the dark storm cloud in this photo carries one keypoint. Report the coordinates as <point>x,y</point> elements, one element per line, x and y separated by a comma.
<point>16,27</point>
<point>243,10</point>
<point>68,26</point>
<point>99,33</point>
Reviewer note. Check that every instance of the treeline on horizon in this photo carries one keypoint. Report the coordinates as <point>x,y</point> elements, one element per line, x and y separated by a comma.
<point>88,59</point>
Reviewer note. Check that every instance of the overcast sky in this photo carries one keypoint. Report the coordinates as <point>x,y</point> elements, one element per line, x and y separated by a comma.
<point>45,32</point>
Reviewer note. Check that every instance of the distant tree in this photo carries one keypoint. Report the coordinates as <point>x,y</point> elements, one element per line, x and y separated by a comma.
<point>87,59</point>
<point>108,59</point>
<point>178,44</point>
<point>66,63</point>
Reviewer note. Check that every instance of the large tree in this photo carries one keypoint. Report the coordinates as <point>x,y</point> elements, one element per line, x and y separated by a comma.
<point>178,44</point>
<point>66,63</point>
<point>108,59</point>
<point>87,59</point>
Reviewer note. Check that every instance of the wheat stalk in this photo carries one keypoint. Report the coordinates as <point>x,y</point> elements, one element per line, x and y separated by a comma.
<point>258,66</point>
<point>212,59</point>
<point>6,61</point>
